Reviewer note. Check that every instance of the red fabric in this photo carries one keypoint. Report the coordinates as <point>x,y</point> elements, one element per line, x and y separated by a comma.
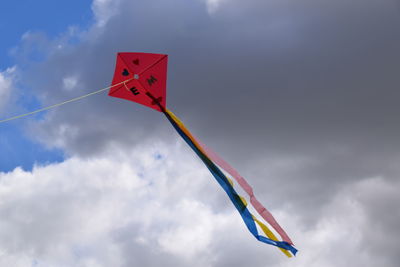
<point>146,72</point>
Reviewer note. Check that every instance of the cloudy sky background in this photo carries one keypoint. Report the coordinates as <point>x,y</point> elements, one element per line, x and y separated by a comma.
<point>300,96</point>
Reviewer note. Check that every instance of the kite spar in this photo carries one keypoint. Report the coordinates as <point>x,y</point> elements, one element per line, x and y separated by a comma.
<point>142,78</point>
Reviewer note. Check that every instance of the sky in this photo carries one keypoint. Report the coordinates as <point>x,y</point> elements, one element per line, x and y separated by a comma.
<point>301,97</point>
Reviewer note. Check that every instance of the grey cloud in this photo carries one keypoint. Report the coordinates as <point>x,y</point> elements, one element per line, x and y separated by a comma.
<point>313,79</point>
<point>286,76</point>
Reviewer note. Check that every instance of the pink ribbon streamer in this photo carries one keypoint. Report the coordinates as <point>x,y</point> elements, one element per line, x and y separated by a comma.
<point>264,213</point>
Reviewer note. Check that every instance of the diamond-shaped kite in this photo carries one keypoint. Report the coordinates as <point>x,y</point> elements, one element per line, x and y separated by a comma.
<point>142,78</point>
<point>144,74</point>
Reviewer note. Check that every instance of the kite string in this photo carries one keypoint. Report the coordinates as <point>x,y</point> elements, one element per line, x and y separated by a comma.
<point>62,103</point>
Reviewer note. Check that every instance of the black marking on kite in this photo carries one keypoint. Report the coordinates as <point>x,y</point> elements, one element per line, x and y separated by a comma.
<point>151,80</point>
<point>134,91</point>
<point>156,101</point>
<point>136,61</point>
<point>125,72</point>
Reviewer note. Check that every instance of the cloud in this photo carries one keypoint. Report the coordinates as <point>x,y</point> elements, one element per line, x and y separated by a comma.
<point>299,96</point>
<point>70,213</point>
<point>6,85</point>
<point>70,82</point>
<point>213,5</point>
<point>147,207</point>
<point>103,10</point>
<point>290,77</point>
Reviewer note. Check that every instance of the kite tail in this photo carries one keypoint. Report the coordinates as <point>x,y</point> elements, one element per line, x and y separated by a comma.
<point>238,201</point>
<point>264,213</point>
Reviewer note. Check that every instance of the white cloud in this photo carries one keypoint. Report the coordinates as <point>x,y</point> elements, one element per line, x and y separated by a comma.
<point>70,212</point>
<point>104,10</point>
<point>192,231</point>
<point>148,207</point>
<point>213,5</point>
<point>70,82</point>
<point>6,83</point>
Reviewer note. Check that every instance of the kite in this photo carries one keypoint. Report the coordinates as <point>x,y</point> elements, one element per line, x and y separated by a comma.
<point>142,78</point>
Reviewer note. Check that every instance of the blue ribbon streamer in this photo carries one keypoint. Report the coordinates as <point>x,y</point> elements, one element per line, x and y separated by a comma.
<point>234,197</point>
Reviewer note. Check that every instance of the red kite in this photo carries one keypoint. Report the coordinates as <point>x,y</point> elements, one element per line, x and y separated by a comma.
<point>142,78</point>
<point>143,73</point>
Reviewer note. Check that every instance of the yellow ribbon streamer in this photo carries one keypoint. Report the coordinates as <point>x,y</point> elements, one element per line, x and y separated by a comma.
<point>263,227</point>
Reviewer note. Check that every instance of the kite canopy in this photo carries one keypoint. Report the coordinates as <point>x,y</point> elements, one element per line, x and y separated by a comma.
<point>143,73</point>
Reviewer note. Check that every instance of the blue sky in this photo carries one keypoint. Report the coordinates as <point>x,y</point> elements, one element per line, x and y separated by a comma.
<point>50,17</point>
<point>16,18</point>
